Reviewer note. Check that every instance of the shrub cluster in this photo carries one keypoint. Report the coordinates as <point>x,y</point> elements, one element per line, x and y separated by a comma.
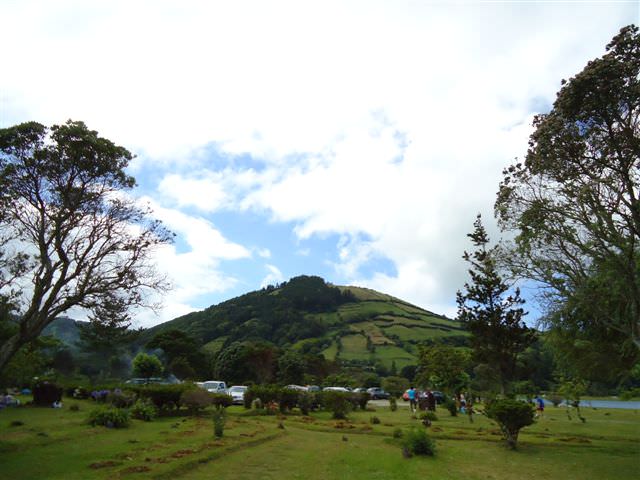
<point>417,442</point>
<point>143,410</point>
<point>109,416</point>
<point>286,399</point>
<point>196,400</point>
<point>338,403</point>
<point>166,398</point>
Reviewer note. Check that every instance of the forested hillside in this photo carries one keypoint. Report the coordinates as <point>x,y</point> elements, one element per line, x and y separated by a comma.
<point>352,324</point>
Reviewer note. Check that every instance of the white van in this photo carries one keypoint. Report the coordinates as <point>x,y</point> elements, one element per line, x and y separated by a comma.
<point>214,386</point>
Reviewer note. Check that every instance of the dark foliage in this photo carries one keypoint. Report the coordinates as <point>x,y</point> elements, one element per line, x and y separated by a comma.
<point>490,312</point>
<point>46,393</point>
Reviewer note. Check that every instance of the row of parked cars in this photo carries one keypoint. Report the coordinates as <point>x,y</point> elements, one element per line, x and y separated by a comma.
<point>236,392</point>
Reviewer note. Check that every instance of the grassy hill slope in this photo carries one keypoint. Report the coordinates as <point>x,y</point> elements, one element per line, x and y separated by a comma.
<point>352,324</point>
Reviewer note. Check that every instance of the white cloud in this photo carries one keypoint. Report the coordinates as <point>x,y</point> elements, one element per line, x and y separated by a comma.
<point>387,123</point>
<point>193,269</point>
<point>273,277</point>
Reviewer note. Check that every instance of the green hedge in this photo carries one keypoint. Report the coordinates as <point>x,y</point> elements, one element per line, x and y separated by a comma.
<point>167,398</point>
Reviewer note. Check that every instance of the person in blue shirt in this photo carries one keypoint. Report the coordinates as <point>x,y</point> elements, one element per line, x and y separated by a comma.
<point>412,399</point>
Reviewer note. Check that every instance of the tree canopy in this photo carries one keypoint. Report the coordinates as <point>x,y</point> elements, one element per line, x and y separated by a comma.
<point>69,231</point>
<point>574,204</point>
<point>490,312</point>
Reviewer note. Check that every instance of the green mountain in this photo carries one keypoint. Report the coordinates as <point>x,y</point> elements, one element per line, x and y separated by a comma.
<point>352,324</point>
<point>66,330</point>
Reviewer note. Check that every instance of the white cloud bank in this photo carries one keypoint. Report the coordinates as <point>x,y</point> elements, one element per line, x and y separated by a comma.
<point>387,123</point>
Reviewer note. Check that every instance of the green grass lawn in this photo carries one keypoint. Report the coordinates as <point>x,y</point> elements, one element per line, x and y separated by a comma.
<point>58,444</point>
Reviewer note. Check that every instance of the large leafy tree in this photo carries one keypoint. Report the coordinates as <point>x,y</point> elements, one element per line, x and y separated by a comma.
<point>69,234</point>
<point>574,204</point>
<point>492,314</point>
<point>443,367</point>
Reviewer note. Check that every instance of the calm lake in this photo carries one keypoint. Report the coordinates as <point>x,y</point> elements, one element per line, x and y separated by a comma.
<point>630,405</point>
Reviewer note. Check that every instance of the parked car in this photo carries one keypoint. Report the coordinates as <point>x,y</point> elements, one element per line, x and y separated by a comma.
<point>299,388</point>
<point>214,386</point>
<point>439,396</point>
<point>237,394</point>
<point>335,389</point>
<point>313,388</point>
<point>359,390</point>
<point>377,393</point>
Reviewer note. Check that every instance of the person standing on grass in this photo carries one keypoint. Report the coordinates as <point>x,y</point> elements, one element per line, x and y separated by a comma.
<point>412,399</point>
<point>539,406</point>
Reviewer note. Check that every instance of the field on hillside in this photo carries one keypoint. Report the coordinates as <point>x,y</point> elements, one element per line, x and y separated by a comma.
<point>58,444</point>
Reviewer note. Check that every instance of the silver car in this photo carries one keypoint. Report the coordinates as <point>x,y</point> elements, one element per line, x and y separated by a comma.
<point>237,394</point>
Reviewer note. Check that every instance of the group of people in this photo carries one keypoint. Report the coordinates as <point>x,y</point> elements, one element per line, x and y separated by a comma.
<point>424,400</point>
<point>8,400</point>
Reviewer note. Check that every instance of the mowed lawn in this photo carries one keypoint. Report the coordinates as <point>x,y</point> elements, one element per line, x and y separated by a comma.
<point>59,444</point>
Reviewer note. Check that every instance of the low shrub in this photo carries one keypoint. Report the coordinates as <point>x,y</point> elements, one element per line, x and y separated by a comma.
<point>397,433</point>
<point>511,416</point>
<point>120,399</point>
<point>305,402</point>
<point>46,393</point>
<point>165,397</point>
<point>144,410</point>
<point>100,395</point>
<point>359,400</point>
<point>109,416</point>
<point>417,442</point>
<point>221,400</point>
<point>431,416</point>
<point>287,399</point>
<point>339,403</point>
<point>196,400</point>
<point>393,404</point>
<point>374,420</point>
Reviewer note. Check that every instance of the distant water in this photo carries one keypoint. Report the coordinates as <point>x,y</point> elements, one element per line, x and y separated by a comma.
<point>629,405</point>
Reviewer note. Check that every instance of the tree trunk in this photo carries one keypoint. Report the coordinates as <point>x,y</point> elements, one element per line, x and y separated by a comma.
<point>9,349</point>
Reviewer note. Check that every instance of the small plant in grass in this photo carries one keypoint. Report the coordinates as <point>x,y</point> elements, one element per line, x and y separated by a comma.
<point>16,423</point>
<point>109,416</point>
<point>572,390</point>
<point>511,416</point>
<point>374,420</point>
<point>305,403</point>
<point>417,442</point>
<point>144,410</point>
<point>219,421</point>
<point>431,416</point>
<point>393,404</point>
<point>397,433</point>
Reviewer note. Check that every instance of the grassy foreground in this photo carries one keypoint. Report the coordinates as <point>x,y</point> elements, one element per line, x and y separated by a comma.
<point>41,443</point>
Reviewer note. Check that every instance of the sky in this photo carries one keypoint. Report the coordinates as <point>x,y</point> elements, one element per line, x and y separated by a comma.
<point>354,140</point>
